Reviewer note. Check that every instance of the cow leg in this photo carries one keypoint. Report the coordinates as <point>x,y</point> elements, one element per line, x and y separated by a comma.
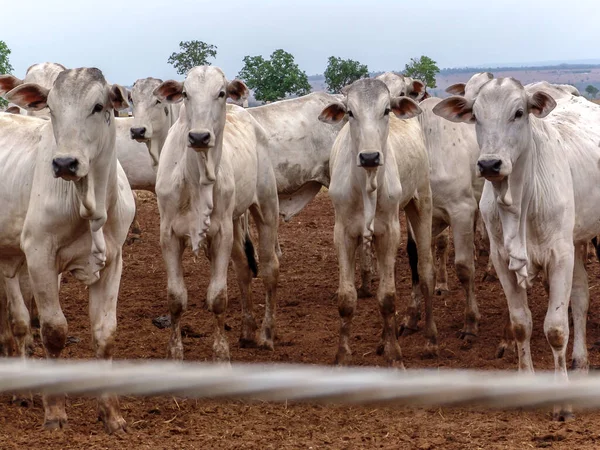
<point>386,247</point>
<point>462,225</point>
<point>53,324</point>
<point>442,242</point>
<point>579,305</point>
<point>6,341</point>
<point>508,337</point>
<point>560,274</point>
<point>418,213</point>
<point>413,311</point>
<point>103,320</point>
<point>172,251</point>
<point>135,233</point>
<point>244,278</point>
<point>19,316</point>
<point>216,297</point>
<point>345,246</point>
<point>266,219</point>
<point>366,273</point>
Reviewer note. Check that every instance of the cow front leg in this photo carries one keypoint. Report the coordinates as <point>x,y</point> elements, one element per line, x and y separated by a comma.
<point>241,252</point>
<point>345,245</point>
<point>216,297</point>
<point>172,250</point>
<point>103,320</point>
<point>418,213</point>
<point>53,324</point>
<point>19,317</point>
<point>442,249</point>
<point>386,247</point>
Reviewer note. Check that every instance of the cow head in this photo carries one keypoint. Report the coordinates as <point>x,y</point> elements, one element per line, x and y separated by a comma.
<point>367,105</point>
<point>151,115</point>
<point>401,86</point>
<point>81,107</point>
<point>204,94</point>
<point>501,113</point>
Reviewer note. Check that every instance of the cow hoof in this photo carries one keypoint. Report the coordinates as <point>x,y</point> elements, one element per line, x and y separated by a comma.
<point>24,402</point>
<point>431,350</point>
<point>380,348</point>
<point>563,416</point>
<point>55,424</point>
<point>248,343</point>
<point>364,292</point>
<point>405,330</point>
<point>500,351</point>
<point>441,289</point>
<point>267,345</point>
<point>580,366</point>
<point>116,426</point>
<point>467,336</point>
<point>343,359</point>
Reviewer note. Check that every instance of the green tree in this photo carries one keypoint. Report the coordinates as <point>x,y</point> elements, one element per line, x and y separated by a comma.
<point>5,66</point>
<point>192,54</point>
<point>341,72</point>
<point>275,78</point>
<point>423,69</point>
<point>592,90</point>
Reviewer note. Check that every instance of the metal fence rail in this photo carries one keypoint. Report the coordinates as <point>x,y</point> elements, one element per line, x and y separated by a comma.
<point>278,383</point>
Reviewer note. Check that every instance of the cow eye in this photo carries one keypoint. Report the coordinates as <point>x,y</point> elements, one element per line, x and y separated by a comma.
<point>473,118</point>
<point>221,94</point>
<point>157,102</point>
<point>387,112</point>
<point>184,94</point>
<point>98,107</point>
<point>401,94</point>
<point>130,99</point>
<point>519,114</point>
<point>350,114</point>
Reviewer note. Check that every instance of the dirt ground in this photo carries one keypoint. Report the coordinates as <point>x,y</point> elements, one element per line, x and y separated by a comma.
<point>308,330</point>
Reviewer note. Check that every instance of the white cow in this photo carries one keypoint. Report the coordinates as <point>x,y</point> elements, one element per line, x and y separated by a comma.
<point>66,207</point>
<point>542,176</point>
<point>379,165</point>
<point>215,166</point>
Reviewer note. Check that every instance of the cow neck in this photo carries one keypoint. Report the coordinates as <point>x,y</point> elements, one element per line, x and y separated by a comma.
<point>93,189</point>
<point>202,189</point>
<point>513,196</point>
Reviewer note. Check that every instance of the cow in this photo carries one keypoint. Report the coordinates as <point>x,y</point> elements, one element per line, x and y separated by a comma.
<point>213,167</point>
<point>66,207</point>
<point>378,165</point>
<point>540,159</point>
<point>400,85</point>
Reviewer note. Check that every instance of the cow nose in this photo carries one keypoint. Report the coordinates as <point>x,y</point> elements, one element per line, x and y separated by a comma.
<point>65,167</point>
<point>138,133</point>
<point>369,159</point>
<point>489,167</point>
<point>199,140</point>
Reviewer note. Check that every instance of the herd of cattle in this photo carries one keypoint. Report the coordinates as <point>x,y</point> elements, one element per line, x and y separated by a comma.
<point>68,168</point>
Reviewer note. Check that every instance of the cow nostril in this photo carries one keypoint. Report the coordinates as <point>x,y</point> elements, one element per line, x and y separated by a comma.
<point>497,165</point>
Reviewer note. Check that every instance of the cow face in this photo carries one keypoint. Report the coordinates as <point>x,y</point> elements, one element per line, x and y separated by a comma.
<point>368,105</point>
<point>150,114</point>
<point>401,86</point>
<point>81,107</point>
<point>204,94</point>
<point>501,112</point>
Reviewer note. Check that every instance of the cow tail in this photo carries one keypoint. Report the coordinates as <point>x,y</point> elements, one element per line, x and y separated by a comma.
<point>249,248</point>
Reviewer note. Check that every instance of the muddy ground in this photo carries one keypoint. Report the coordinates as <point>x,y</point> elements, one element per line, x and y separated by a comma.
<point>308,329</point>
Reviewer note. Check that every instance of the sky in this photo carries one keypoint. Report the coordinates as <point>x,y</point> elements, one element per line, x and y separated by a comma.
<point>131,39</point>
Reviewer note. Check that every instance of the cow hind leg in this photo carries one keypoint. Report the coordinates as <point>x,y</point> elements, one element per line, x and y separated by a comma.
<point>267,221</point>
<point>172,251</point>
<point>413,313</point>
<point>579,305</point>
<point>442,244</point>
<point>418,213</point>
<point>103,320</point>
<point>366,273</point>
<point>242,254</point>
<point>135,233</point>
<point>216,297</point>
<point>508,336</point>
<point>19,317</point>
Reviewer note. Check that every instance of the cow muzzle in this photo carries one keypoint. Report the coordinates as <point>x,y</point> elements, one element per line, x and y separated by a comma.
<point>201,139</point>
<point>370,160</point>
<point>65,168</point>
<point>492,169</point>
<point>138,133</point>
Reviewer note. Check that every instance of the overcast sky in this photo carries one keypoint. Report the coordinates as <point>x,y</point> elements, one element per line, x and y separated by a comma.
<point>131,39</point>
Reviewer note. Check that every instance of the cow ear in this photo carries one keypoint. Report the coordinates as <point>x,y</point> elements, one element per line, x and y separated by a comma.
<point>541,104</point>
<point>333,113</point>
<point>12,110</point>
<point>118,97</point>
<point>236,90</point>
<point>455,109</point>
<point>29,96</point>
<point>456,89</point>
<point>415,88</point>
<point>8,83</point>
<point>170,91</point>
<point>425,96</point>
<point>404,107</point>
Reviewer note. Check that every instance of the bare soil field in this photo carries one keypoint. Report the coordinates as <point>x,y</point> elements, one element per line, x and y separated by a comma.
<point>308,331</point>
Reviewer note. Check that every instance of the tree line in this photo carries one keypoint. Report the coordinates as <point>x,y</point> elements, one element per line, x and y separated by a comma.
<point>279,76</point>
